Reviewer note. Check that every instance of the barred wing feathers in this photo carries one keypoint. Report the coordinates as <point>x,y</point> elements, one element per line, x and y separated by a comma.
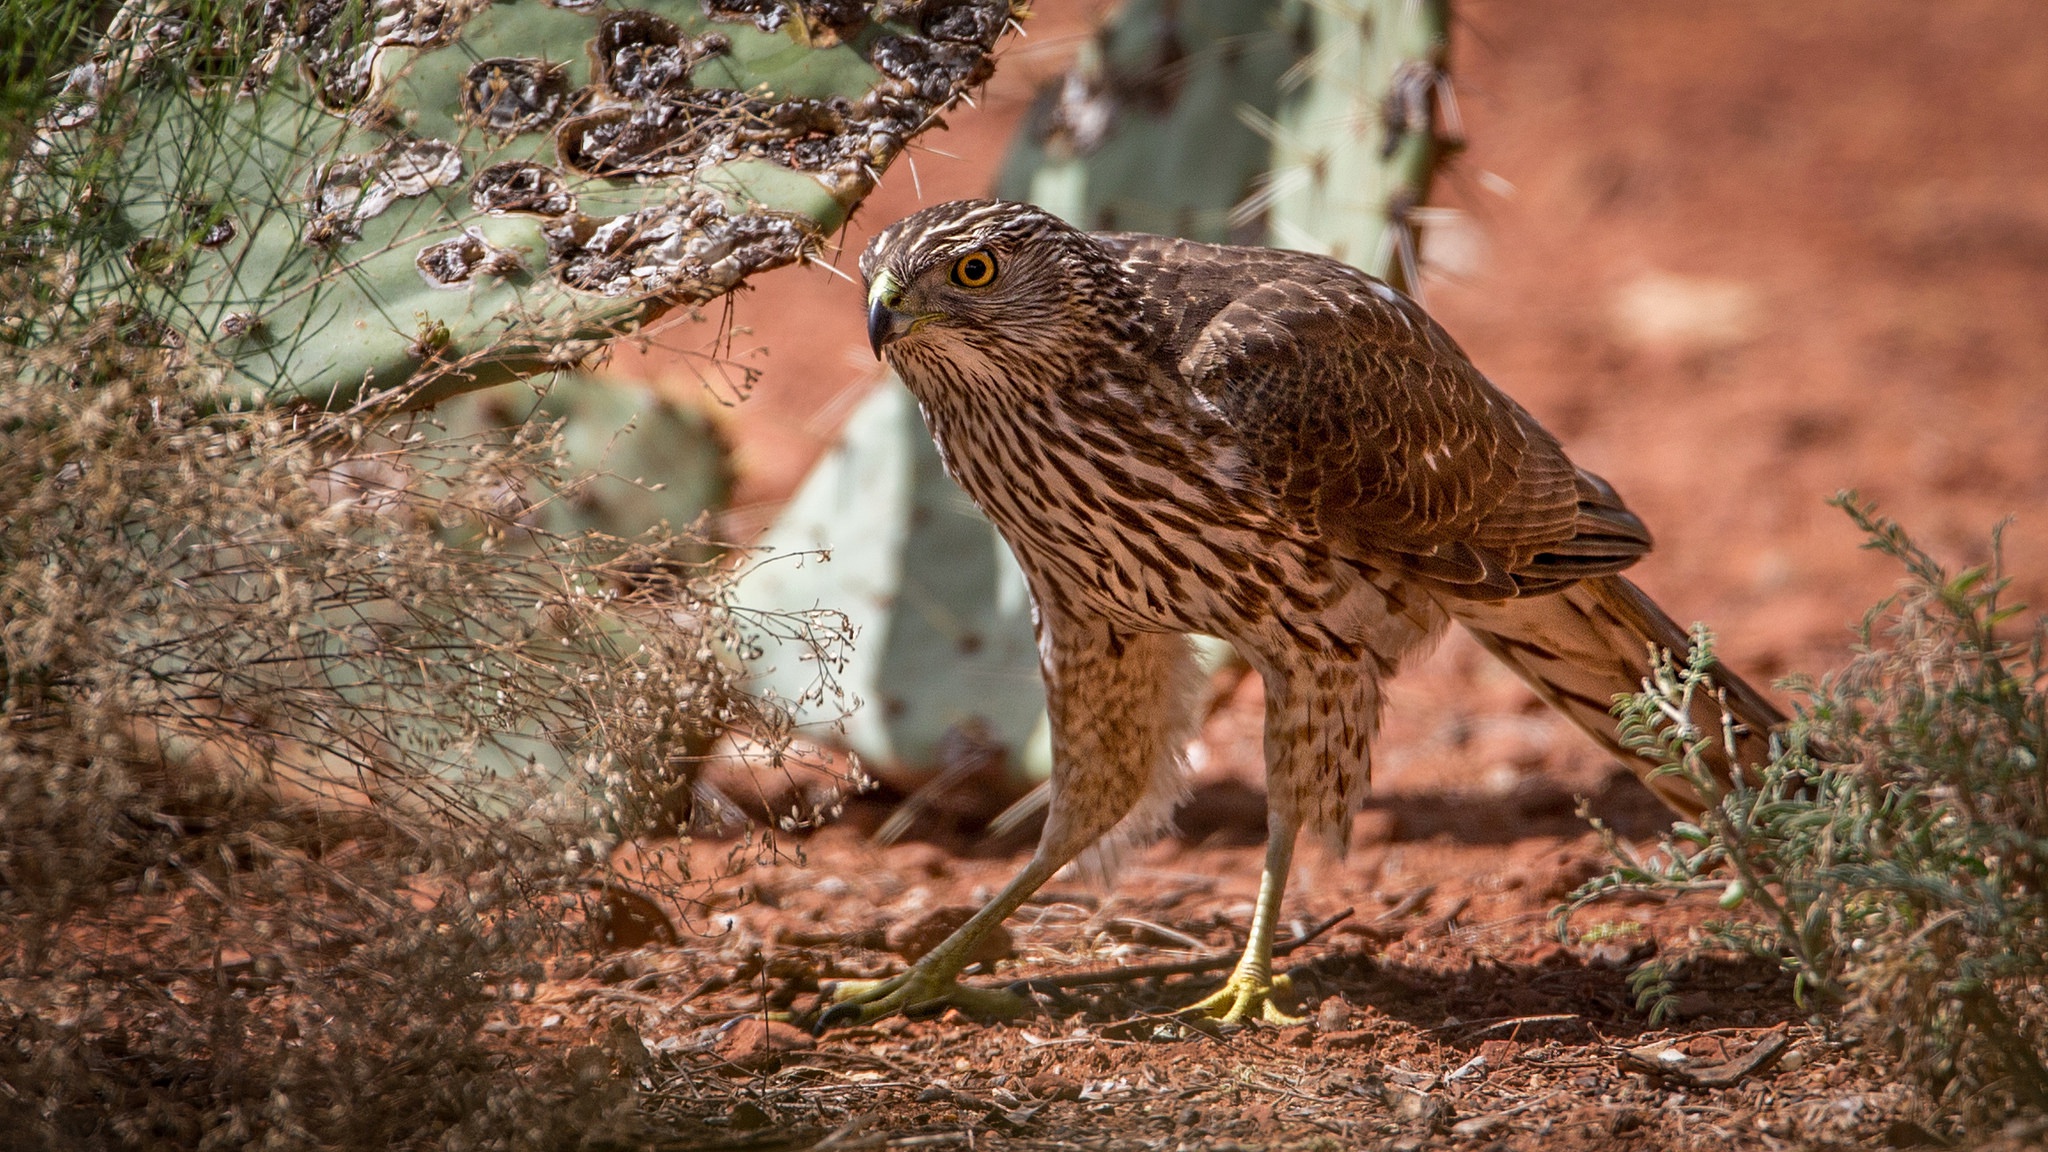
<point>1366,422</point>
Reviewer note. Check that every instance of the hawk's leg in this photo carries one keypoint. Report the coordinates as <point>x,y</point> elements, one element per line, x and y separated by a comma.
<point>1252,987</point>
<point>1121,704</point>
<point>1321,711</point>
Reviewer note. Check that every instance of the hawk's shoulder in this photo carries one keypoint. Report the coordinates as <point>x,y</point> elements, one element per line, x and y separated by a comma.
<point>1366,420</point>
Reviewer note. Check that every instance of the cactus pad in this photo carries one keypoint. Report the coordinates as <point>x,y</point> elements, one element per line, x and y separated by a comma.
<point>334,196</point>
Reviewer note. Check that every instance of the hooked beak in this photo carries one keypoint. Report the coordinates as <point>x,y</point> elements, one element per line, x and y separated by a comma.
<point>885,323</point>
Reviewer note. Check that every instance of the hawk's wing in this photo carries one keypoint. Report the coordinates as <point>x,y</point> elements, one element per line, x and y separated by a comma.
<point>1366,421</point>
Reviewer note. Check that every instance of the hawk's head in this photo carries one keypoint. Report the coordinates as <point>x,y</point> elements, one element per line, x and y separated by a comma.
<point>985,280</point>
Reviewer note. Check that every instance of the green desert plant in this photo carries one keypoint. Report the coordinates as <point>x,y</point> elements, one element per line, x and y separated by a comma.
<point>317,198</point>
<point>1363,122</point>
<point>1151,129</point>
<point>1307,124</point>
<point>1905,873</point>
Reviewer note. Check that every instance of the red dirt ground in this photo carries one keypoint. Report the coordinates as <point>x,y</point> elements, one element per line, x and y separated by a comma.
<point>1737,256</point>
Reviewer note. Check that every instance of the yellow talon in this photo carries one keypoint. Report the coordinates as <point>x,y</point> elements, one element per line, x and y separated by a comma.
<point>1242,994</point>
<point>915,993</point>
<point>1253,984</point>
<point>930,985</point>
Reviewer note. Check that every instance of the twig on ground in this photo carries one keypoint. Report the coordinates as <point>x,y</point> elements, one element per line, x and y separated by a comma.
<point>1443,924</point>
<point>848,1136</point>
<point>660,1005</point>
<point>1485,1027</point>
<point>1656,1060</point>
<point>1139,1026</point>
<point>1010,1117</point>
<point>1406,906</point>
<point>1181,968</point>
<point>1487,1124</point>
<point>1171,935</point>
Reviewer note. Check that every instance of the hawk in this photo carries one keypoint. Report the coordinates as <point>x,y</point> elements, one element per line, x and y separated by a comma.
<point>1267,446</point>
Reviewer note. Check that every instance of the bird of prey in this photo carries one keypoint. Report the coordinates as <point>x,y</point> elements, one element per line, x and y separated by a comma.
<point>1267,446</point>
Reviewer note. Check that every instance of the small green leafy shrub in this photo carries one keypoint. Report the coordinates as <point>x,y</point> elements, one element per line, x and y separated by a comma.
<point>1903,873</point>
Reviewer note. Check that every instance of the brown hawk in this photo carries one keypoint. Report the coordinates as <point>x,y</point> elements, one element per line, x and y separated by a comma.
<point>1271,447</point>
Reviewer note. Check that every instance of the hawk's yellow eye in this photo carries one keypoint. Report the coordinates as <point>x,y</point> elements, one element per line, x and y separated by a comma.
<point>974,270</point>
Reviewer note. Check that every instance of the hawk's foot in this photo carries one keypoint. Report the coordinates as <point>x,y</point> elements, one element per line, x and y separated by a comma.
<point>916,993</point>
<point>1246,994</point>
<point>931,985</point>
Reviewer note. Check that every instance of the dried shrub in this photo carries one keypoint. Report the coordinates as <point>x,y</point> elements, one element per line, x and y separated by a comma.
<point>1905,874</point>
<point>314,743</point>
<point>312,747</point>
<point>307,752</point>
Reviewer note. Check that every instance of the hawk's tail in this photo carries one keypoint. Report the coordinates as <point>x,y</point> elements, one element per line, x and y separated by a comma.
<point>1582,646</point>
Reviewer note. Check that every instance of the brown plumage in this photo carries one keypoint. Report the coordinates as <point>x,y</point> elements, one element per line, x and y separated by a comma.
<point>1267,446</point>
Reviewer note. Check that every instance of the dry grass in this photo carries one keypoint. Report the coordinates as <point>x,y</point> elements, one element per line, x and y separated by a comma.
<point>312,751</point>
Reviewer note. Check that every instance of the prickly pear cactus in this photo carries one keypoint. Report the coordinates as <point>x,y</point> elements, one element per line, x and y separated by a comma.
<point>1299,123</point>
<point>1359,132</point>
<point>330,197</point>
<point>1152,128</point>
<point>1308,124</point>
